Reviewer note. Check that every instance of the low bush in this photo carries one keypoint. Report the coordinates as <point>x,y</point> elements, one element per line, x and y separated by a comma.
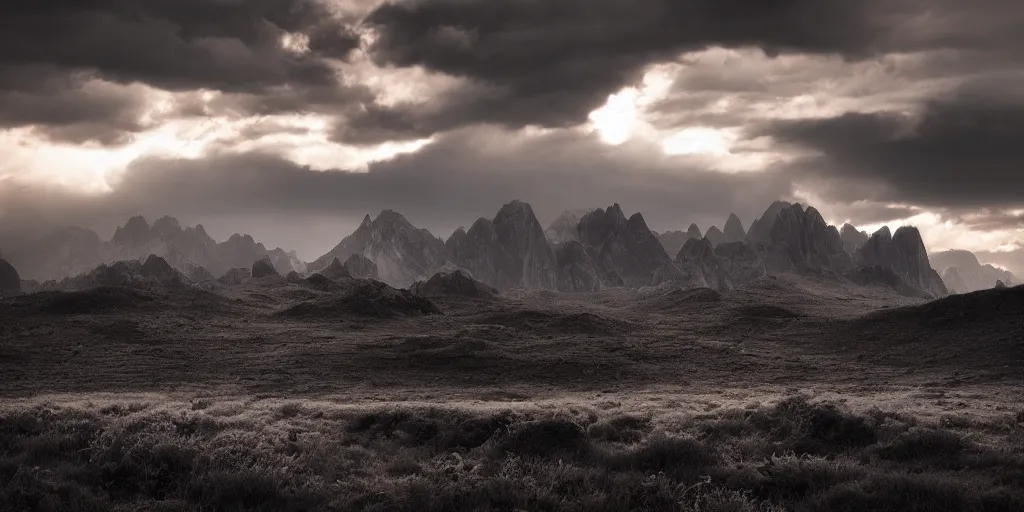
<point>795,455</point>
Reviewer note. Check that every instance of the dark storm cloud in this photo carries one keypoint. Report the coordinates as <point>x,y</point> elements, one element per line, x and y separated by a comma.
<point>51,50</point>
<point>76,112</point>
<point>176,44</point>
<point>465,175</point>
<point>551,63</point>
<point>991,221</point>
<point>960,152</point>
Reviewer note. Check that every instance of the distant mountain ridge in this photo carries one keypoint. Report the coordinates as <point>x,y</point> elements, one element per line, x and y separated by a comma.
<point>72,251</point>
<point>963,273</point>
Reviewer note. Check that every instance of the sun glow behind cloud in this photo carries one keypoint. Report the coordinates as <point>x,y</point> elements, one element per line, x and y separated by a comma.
<point>698,140</point>
<point>616,120</point>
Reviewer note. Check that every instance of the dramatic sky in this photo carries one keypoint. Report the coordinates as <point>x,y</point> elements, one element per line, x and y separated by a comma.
<point>291,119</point>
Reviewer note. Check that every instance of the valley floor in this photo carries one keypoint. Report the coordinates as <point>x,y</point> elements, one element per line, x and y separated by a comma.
<point>793,393</point>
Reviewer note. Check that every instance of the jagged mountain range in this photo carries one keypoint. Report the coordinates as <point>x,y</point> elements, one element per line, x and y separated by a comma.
<point>605,248</point>
<point>579,252</point>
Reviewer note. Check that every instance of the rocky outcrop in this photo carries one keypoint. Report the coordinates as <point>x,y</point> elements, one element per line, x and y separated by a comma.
<point>723,268</point>
<point>715,236</point>
<point>200,274</point>
<point>335,271</point>
<point>761,229</point>
<point>476,250</point>
<point>739,264</point>
<point>673,241</point>
<point>801,240</point>
<point>733,231</point>
<point>239,251</point>
<point>905,254</point>
<point>697,262</point>
<point>455,282</point>
<point>361,298</point>
<point>10,281</point>
<point>402,252</point>
<point>963,273</point>
<point>235,276</point>
<point>264,268</point>
<point>530,258</point>
<point>625,251</point>
<point>576,269</point>
<point>884,276</point>
<point>508,252</point>
<point>853,239</point>
<point>153,271</point>
<point>360,267</point>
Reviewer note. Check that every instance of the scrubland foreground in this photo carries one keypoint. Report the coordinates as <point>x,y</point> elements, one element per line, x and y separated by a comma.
<point>789,394</point>
<point>229,454</point>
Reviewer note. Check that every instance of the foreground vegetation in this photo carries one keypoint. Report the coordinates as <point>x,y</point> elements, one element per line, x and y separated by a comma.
<point>225,455</point>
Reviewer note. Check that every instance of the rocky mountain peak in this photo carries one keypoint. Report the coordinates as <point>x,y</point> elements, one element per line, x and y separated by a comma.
<point>715,236</point>
<point>615,212</point>
<point>390,219</point>
<point>801,240</point>
<point>852,238</point>
<point>402,252</point>
<point>813,218</point>
<point>636,223</point>
<point>626,252</point>
<point>165,226</point>
<point>696,250</point>
<point>529,259</point>
<point>761,229</point>
<point>136,231</point>
<point>905,254</point>
<point>734,231</point>
<point>694,231</point>
<point>909,238</point>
